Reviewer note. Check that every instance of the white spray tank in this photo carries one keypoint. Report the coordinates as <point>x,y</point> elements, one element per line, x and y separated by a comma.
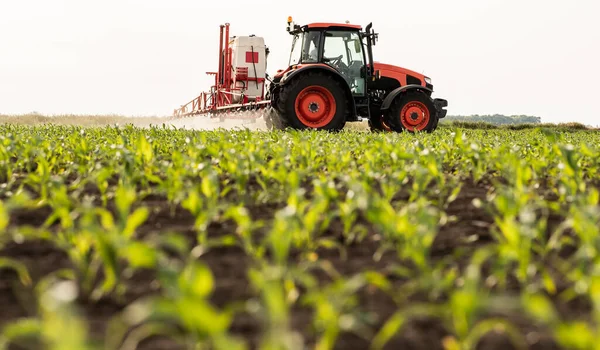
<point>249,64</point>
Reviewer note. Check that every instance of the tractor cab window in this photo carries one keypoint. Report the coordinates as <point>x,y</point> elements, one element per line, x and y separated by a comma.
<point>310,51</point>
<point>343,51</point>
<point>305,48</point>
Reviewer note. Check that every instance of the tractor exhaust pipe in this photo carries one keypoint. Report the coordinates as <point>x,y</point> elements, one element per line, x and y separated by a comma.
<point>370,43</point>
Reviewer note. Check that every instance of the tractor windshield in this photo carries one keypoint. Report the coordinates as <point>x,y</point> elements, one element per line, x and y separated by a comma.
<point>296,53</point>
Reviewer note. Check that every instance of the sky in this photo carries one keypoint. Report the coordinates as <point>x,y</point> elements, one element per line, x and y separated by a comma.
<point>147,57</point>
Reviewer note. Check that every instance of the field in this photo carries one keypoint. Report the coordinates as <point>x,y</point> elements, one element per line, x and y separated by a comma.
<point>155,238</point>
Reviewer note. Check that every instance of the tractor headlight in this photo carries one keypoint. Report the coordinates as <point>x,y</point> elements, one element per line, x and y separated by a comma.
<point>428,80</point>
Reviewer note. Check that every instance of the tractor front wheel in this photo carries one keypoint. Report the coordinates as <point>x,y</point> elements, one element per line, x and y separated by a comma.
<point>313,101</point>
<point>413,112</point>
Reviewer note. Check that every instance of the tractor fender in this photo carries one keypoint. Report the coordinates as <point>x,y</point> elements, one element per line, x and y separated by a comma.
<point>289,76</point>
<point>387,102</point>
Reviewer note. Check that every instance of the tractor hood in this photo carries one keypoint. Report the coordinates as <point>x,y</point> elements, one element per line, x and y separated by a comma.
<point>403,75</point>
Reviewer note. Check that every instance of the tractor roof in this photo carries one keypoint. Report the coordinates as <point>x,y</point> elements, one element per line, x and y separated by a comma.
<point>330,25</point>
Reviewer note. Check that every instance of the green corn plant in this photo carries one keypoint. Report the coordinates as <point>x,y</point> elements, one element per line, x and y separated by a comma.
<point>245,230</point>
<point>274,308</point>
<point>571,176</point>
<point>174,182</point>
<point>101,180</point>
<point>521,220</point>
<point>62,206</point>
<point>39,180</point>
<point>19,268</point>
<point>128,220</point>
<point>202,202</point>
<point>578,334</point>
<point>57,317</point>
<point>6,166</point>
<point>584,218</point>
<point>336,310</point>
<point>462,313</point>
<point>100,241</point>
<point>4,217</point>
<point>468,302</point>
<point>312,217</point>
<point>580,268</point>
<point>115,243</point>
<point>354,232</point>
<point>184,305</point>
<point>355,202</point>
<point>411,229</point>
<point>145,161</point>
<point>19,200</point>
<point>515,231</point>
<point>280,238</point>
<point>472,159</point>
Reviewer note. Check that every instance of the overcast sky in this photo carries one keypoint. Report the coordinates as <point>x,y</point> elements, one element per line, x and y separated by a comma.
<point>147,57</point>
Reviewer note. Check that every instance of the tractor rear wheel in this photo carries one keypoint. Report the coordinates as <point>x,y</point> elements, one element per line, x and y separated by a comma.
<point>313,101</point>
<point>413,112</point>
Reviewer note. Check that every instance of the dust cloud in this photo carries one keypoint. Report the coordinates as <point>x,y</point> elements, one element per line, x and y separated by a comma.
<point>206,123</point>
<point>229,121</point>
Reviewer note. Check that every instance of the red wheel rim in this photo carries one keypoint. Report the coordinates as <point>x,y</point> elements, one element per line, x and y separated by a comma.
<point>315,106</point>
<point>414,116</point>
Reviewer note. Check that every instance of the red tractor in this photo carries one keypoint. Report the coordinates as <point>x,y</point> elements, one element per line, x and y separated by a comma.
<point>332,79</point>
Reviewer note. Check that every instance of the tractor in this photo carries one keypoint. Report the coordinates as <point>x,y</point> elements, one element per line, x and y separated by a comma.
<point>332,79</point>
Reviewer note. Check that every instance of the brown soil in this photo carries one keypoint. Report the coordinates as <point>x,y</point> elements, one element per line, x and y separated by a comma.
<point>229,266</point>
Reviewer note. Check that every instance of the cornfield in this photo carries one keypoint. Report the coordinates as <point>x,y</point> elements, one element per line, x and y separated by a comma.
<point>121,237</point>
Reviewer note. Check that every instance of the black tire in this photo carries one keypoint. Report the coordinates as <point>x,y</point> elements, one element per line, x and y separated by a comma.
<point>429,123</point>
<point>377,122</point>
<point>326,85</point>
<point>435,126</point>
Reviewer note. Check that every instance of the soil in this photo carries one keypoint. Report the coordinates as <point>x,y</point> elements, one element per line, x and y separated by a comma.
<point>229,266</point>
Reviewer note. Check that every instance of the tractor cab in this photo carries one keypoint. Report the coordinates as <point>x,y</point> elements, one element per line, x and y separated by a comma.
<point>339,46</point>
